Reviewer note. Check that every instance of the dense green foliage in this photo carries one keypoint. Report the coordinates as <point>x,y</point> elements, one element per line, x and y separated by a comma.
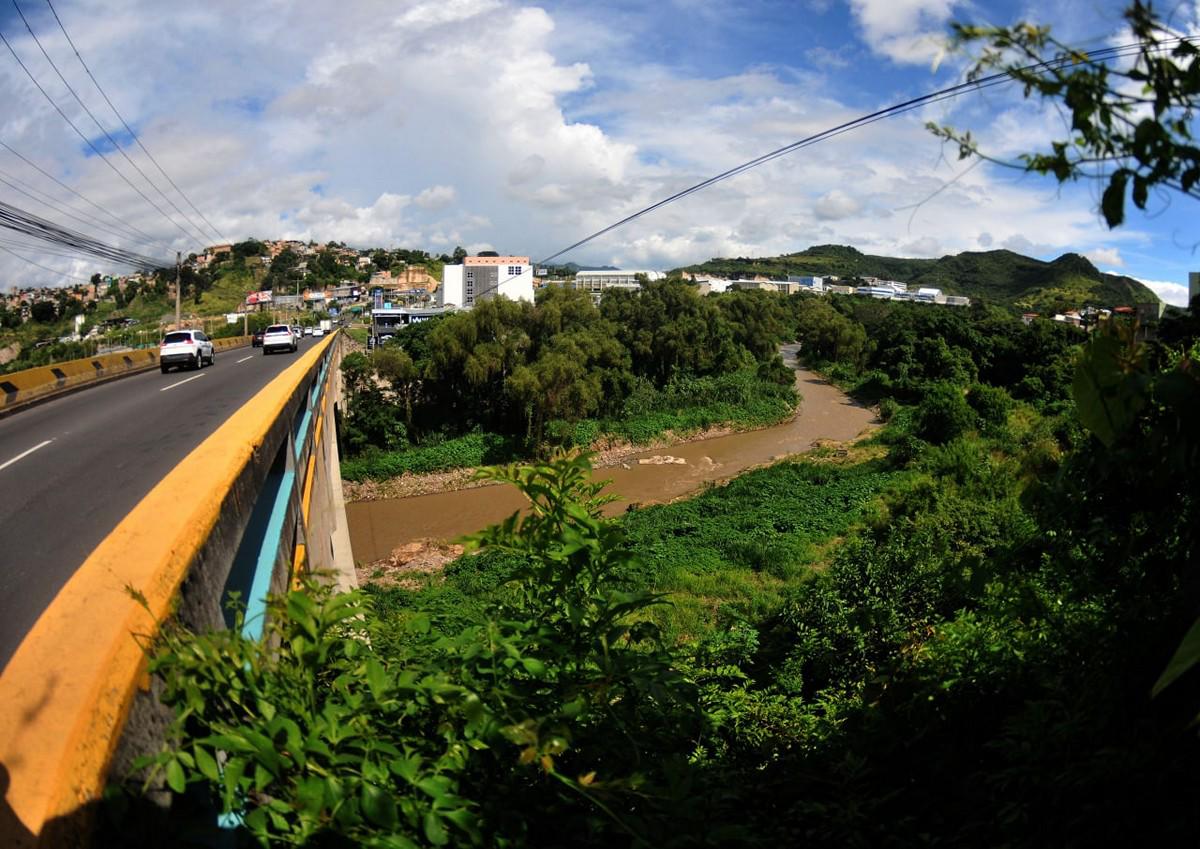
<point>999,277</point>
<point>562,372</point>
<point>554,697</point>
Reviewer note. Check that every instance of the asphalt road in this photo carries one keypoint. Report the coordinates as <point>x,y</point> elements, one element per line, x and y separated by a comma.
<point>71,468</point>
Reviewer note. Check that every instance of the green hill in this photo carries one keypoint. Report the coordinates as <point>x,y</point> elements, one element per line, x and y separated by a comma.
<point>999,277</point>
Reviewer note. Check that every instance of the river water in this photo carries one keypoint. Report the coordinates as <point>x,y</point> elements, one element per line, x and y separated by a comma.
<point>377,527</point>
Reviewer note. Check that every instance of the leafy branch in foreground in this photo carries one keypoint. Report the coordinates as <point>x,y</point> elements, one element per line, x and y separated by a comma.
<point>552,713</point>
<point>1130,126</point>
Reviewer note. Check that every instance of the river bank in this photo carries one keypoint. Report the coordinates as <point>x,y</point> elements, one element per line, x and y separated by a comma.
<point>606,454</point>
<point>380,526</point>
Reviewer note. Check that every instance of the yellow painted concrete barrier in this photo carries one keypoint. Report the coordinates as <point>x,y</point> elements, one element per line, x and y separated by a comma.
<point>41,382</point>
<point>67,691</point>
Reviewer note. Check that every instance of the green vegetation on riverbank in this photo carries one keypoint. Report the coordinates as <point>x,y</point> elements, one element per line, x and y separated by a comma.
<point>740,400</point>
<point>511,379</point>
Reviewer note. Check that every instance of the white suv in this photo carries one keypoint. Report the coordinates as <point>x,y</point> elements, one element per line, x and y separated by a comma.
<point>278,338</point>
<point>185,348</point>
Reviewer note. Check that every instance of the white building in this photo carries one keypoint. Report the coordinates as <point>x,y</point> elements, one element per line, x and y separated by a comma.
<point>805,282</point>
<point>708,285</point>
<point>931,296</point>
<point>482,277</point>
<point>595,282</point>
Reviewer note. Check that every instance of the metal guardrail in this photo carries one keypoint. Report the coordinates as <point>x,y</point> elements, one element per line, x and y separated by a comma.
<point>33,384</point>
<point>249,509</point>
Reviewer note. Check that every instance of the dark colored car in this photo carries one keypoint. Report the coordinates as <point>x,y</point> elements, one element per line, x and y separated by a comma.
<point>256,339</point>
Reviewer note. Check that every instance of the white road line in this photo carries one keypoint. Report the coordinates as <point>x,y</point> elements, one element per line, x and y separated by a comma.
<point>243,359</point>
<point>25,453</point>
<point>180,383</point>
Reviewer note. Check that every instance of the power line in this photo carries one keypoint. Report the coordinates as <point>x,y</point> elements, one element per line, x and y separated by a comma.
<point>30,192</point>
<point>100,127</point>
<point>1000,78</point>
<point>89,142</point>
<point>125,123</point>
<point>21,221</point>
<point>57,251</point>
<point>146,237</point>
<point>54,271</point>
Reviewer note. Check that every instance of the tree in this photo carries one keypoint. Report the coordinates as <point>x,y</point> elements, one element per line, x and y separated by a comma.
<point>1130,126</point>
<point>1131,129</point>
<point>250,247</point>
<point>43,312</point>
<point>459,255</point>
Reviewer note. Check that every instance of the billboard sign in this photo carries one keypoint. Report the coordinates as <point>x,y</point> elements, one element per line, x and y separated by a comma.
<point>259,298</point>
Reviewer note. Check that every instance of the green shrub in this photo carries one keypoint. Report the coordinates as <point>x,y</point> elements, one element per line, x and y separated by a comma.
<point>991,404</point>
<point>555,711</point>
<point>943,414</point>
<point>475,449</point>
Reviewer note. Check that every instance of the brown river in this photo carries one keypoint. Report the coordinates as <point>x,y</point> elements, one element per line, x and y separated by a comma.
<point>378,527</point>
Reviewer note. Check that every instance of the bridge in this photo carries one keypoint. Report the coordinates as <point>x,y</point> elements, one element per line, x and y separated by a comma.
<point>126,501</point>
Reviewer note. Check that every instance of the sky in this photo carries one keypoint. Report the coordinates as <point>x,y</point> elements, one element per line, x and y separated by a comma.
<point>523,127</point>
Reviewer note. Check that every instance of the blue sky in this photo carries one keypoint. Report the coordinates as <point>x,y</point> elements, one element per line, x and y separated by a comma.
<point>522,127</point>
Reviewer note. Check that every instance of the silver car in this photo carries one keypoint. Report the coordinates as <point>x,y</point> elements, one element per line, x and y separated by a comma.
<point>186,349</point>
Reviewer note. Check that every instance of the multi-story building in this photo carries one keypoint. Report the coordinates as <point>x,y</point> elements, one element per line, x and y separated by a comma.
<point>482,277</point>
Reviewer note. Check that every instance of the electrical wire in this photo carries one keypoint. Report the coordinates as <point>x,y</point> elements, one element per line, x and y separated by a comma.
<point>116,146</point>
<point>145,237</point>
<point>21,221</point>
<point>1000,78</point>
<point>125,124</point>
<point>90,143</point>
<point>21,187</point>
<point>53,271</point>
<point>56,251</point>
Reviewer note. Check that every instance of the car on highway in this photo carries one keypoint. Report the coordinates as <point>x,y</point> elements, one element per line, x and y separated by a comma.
<point>318,331</point>
<point>186,349</point>
<point>308,331</point>
<point>256,339</point>
<point>278,337</point>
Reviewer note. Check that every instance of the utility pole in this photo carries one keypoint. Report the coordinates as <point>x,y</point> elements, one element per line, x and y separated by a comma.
<point>178,264</point>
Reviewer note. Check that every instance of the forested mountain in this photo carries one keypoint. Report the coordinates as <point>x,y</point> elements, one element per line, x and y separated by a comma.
<point>1000,277</point>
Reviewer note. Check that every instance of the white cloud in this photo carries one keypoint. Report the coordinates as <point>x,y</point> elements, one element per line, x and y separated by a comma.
<point>436,197</point>
<point>1105,256</point>
<point>473,122</point>
<point>906,31</point>
<point>1175,294</point>
<point>834,205</point>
